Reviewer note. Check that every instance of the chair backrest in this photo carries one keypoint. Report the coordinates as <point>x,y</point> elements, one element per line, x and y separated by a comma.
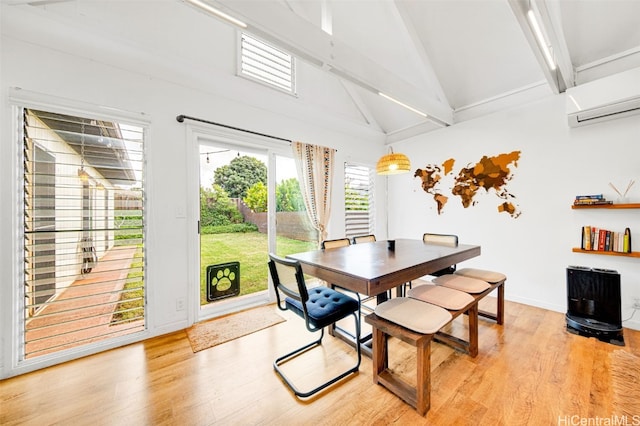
<point>442,239</point>
<point>364,239</point>
<point>331,244</point>
<point>288,278</point>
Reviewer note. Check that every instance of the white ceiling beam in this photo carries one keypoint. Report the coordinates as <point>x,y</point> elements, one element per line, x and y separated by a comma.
<point>413,39</point>
<point>520,9</point>
<point>411,131</point>
<point>361,106</point>
<point>281,26</point>
<point>551,23</point>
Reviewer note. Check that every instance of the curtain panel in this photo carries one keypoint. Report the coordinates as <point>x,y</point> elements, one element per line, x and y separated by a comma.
<point>315,167</point>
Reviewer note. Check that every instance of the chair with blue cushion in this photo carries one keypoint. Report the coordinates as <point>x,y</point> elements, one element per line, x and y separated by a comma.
<point>320,307</point>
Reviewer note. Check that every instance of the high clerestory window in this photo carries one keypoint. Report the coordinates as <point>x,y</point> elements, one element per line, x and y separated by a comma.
<point>267,64</point>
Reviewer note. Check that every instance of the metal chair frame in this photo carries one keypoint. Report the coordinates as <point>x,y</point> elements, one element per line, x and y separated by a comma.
<point>300,293</point>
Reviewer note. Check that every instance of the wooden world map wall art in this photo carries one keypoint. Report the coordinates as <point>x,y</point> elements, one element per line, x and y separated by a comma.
<point>491,174</point>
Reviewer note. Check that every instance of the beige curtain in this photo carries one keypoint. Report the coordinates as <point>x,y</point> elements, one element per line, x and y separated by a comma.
<point>315,173</point>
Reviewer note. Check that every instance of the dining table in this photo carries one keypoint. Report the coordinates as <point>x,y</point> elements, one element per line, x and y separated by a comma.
<point>374,268</point>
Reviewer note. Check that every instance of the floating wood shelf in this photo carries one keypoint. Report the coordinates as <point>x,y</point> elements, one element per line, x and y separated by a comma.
<point>607,206</point>
<point>606,253</point>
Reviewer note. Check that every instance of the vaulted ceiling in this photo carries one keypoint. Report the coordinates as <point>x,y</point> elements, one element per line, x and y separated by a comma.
<point>453,60</point>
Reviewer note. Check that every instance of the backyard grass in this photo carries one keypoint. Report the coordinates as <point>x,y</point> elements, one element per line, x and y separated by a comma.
<point>250,249</point>
<point>131,303</point>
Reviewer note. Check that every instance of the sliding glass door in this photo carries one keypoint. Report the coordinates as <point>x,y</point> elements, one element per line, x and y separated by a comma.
<point>294,232</point>
<point>233,224</point>
<point>238,227</point>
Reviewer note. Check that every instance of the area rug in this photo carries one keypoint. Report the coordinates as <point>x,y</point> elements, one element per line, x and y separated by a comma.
<point>214,332</point>
<point>625,383</point>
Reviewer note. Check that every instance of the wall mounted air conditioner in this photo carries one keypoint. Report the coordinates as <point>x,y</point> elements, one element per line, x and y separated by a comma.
<point>616,96</point>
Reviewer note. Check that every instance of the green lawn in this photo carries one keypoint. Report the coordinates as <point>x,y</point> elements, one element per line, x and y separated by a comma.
<point>250,249</point>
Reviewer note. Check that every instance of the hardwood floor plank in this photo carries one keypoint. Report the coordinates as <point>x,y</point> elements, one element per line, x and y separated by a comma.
<point>529,371</point>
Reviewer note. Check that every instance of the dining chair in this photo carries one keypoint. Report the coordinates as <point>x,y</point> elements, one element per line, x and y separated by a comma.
<point>440,239</point>
<point>468,274</point>
<point>364,239</point>
<point>444,240</point>
<point>320,307</point>
<point>343,242</point>
<point>331,244</point>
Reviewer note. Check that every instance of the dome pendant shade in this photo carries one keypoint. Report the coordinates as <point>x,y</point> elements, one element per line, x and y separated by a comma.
<point>393,164</point>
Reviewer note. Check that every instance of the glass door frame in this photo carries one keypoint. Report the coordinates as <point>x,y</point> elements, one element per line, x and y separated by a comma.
<point>202,134</point>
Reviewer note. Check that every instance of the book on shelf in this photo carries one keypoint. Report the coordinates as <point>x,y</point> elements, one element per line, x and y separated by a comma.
<point>599,239</point>
<point>590,197</point>
<point>586,238</point>
<point>589,202</point>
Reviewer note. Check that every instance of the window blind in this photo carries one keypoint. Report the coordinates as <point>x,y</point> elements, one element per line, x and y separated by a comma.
<point>83,218</point>
<point>359,200</point>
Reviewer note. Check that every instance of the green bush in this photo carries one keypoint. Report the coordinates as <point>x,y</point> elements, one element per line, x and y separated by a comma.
<point>216,208</point>
<point>228,229</point>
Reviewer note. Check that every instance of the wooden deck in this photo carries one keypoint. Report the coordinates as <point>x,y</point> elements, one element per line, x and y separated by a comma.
<point>81,313</point>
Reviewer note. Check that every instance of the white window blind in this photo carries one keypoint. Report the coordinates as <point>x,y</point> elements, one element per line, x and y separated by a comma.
<point>267,64</point>
<point>358,200</point>
<point>83,217</point>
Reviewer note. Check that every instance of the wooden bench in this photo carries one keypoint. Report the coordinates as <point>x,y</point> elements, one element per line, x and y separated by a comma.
<point>497,279</point>
<point>419,397</point>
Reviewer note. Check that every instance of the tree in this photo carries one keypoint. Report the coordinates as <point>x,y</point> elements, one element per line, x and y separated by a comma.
<point>289,197</point>
<point>256,198</point>
<point>240,175</point>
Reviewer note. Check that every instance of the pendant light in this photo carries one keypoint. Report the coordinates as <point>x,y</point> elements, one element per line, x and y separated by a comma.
<point>393,164</point>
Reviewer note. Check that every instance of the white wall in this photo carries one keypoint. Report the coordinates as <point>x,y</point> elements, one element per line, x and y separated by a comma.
<point>72,77</point>
<point>556,164</point>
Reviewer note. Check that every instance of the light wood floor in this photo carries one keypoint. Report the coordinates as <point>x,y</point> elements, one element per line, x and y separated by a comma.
<point>531,371</point>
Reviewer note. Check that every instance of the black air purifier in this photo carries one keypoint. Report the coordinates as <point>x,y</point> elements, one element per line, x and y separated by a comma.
<point>593,298</point>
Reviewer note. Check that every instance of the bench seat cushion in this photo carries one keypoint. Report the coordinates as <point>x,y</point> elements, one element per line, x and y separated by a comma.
<point>445,297</point>
<point>482,274</point>
<point>414,314</point>
<point>462,283</point>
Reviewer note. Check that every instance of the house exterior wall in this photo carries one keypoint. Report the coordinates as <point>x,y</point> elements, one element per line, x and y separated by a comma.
<point>69,204</point>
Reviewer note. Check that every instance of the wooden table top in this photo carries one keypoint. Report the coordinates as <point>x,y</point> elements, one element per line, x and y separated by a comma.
<point>371,268</point>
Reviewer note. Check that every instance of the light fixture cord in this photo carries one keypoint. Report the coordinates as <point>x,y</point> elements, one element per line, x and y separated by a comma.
<point>82,146</point>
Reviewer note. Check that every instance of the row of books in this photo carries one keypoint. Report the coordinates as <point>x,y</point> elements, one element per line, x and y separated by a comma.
<point>604,240</point>
<point>582,200</point>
